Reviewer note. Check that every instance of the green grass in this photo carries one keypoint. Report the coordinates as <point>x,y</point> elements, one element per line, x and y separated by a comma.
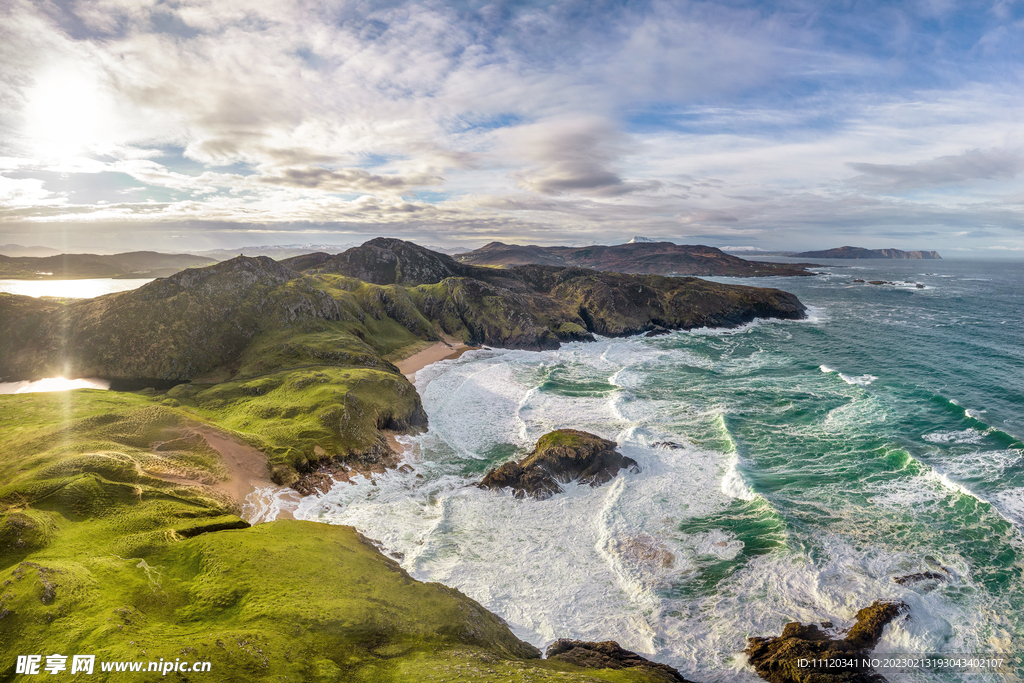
<point>566,437</point>
<point>100,558</point>
<point>300,418</point>
<point>284,601</point>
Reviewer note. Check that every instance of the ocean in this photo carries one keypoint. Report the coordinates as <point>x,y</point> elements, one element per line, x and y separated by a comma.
<point>71,289</point>
<point>790,471</point>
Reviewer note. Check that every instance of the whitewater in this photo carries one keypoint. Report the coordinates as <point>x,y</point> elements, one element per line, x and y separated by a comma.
<point>789,471</point>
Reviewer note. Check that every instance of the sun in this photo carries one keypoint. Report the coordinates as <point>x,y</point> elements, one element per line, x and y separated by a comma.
<point>63,112</point>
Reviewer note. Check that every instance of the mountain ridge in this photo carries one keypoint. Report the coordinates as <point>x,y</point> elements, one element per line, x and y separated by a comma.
<point>636,257</point>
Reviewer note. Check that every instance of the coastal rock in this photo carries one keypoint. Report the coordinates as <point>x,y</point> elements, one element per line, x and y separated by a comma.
<point>911,579</point>
<point>777,659</point>
<point>608,655</point>
<point>560,457</point>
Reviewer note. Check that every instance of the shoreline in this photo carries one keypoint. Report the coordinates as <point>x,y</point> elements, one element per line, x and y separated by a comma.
<point>449,349</point>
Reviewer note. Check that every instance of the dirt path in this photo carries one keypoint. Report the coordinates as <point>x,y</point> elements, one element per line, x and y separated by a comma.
<point>248,484</point>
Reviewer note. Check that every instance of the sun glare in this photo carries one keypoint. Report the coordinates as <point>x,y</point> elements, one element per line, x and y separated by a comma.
<point>63,114</point>
<point>52,384</point>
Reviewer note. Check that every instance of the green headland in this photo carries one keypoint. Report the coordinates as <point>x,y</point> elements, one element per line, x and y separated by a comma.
<point>120,512</point>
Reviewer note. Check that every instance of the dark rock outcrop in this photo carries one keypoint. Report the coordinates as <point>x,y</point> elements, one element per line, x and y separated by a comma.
<point>860,252</point>
<point>608,655</point>
<point>778,659</point>
<point>560,457</point>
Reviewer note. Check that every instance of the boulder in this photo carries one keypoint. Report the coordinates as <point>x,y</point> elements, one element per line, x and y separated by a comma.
<point>558,458</point>
<point>779,659</point>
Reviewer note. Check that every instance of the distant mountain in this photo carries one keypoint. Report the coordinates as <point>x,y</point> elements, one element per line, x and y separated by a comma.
<point>279,252</point>
<point>641,240</point>
<point>274,251</point>
<point>656,258</point>
<point>135,264</point>
<point>859,252</point>
<point>447,250</point>
<point>18,250</point>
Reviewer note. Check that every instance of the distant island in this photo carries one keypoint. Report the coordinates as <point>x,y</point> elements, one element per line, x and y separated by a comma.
<point>860,252</point>
<point>135,264</point>
<point>640,256</point>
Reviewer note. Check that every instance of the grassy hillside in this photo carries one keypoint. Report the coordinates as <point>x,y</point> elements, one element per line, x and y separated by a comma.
<point>100,555</point>
<point>115,539</point>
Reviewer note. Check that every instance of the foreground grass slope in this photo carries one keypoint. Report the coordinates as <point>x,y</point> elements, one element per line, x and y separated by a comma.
<point>101,554</point>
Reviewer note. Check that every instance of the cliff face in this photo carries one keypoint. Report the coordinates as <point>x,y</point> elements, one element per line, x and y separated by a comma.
<point>859,252</point>
<point>657,258</point>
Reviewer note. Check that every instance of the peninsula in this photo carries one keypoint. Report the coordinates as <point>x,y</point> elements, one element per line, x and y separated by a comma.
<point>859,252</point>
<point>135,264</point>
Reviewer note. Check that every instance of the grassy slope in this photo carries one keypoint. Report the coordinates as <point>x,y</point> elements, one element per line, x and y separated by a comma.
<point>301,418</point>
<point>100,558</point>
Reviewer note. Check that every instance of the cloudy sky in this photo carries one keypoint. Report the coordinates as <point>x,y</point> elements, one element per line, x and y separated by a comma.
<point>193,124</point>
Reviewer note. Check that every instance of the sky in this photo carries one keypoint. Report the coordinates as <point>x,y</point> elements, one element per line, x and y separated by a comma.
<point>790,125</point>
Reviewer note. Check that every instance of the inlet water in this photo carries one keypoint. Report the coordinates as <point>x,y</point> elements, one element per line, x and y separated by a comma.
<point>790,471</point>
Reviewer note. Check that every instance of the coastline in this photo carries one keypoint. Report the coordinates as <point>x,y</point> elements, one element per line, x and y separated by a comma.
<point>449,349</point>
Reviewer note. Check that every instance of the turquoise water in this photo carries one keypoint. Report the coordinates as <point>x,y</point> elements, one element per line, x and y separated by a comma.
<point>790,470</point>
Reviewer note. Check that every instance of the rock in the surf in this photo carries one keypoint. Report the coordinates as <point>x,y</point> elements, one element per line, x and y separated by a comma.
<point>558,458</point>
<point>779,659</point>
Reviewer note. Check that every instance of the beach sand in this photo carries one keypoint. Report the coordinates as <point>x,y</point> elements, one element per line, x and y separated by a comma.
<point>442,350</point>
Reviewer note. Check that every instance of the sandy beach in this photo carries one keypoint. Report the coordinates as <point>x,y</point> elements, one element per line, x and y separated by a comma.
<point>442,350</point>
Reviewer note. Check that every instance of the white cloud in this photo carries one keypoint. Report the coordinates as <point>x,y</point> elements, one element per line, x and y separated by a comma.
<point>552,122</point>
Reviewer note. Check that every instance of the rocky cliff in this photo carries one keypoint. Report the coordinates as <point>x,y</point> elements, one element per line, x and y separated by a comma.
<point>784,659</point>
